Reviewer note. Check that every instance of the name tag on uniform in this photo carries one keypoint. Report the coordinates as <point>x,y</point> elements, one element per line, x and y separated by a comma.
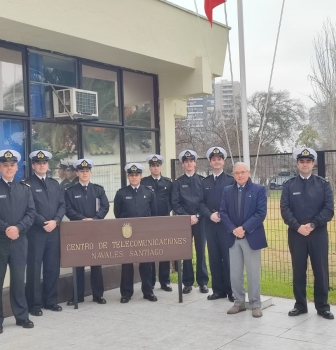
<point>296,193</point>
<point>184,185</point>
<point>150,187</point>
<point>3,196</point>
<point>78,196</point>
<point>39,190</point>
<point>128,197</point>
<point>207,188</point>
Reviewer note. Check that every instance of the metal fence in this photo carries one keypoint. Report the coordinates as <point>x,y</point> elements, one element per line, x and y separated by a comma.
<point>272,171</point>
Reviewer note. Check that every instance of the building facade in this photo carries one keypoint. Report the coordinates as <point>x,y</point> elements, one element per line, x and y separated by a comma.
<point>225,92</point>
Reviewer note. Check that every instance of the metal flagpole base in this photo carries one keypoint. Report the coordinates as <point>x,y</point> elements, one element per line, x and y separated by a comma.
<point>75,297</point>
<point>179,275</point>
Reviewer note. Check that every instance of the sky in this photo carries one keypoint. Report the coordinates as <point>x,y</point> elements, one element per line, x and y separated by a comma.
<point>301,23</point>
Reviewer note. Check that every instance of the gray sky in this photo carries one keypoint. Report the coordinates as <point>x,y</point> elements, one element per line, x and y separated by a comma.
<point>302,20</point>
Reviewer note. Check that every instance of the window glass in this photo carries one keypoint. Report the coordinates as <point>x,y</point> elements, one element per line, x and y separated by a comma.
<point>11,81</point>
<point>102,145</point>
<point>13,136</point>
<point>60,140</point>
<point>139,144</point>
<point>138,100</point>
<point>105,83</point>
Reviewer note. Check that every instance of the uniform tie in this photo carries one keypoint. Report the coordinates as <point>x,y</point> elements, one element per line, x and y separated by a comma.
<point>240,188</point>
<point>9,183</point>
<point>44,183</point>
<point>215,179</point>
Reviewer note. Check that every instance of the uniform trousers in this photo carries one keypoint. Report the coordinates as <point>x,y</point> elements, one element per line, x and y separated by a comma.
<point>218,258</point>
<point>241,254</point>
<point>201,268</point>
<point>96,279</point>
<point>316,246</point>
<point>164,273</point>
<point>127,279</point>
<point>43,247</point>
<point>14,254</point>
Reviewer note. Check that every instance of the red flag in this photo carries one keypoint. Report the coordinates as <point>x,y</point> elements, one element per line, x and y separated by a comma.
<point>209,5</point>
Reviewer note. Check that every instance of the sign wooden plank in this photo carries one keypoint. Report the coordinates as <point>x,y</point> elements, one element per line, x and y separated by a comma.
<point>122,241</point>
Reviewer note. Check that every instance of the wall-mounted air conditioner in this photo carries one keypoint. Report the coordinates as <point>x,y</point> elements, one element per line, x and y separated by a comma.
<point>75,103</point>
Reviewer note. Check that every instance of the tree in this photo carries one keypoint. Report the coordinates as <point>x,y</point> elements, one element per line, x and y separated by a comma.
<point>308,137</point>
<point>323,80</point>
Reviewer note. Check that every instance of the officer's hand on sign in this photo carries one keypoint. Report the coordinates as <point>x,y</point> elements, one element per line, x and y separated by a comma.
<point>214,217</point>
<point>87,219</point>
<point>303,230</point>
<point>193,219</point>
<point>12,232</point>
<point>49,225</point>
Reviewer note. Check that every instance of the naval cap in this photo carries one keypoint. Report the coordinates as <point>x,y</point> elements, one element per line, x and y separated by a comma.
<point>9,155</point>
<point>154,159</point>
<point>304,152</point>
<point>134,168</point>
<point>82,164</point>
<point>40,156</point>
<point>187,154</point>
<point>216,151</point>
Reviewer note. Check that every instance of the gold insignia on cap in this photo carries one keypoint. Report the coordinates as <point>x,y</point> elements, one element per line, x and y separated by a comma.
<point>154,159</point>
<point>305,152</point>
<point>84,163</point>
<point>8,154</point>
<point>126,230</point>
<point>187,154</point>
<point>216,150</point>
<point>40,155</point>
<point>134,168</point>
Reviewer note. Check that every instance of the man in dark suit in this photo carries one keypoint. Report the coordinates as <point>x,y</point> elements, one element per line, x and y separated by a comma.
<point>44,237</point>
<point>307,205</point>
<point>218,249</point>
<point>87,201</point>
<point>17,213</point>
<point>71,176</point>
<point>132,201</point>
<point>62,174</point>
<point>162,187</point>
<point>187,195</point>
<point>243,211</point>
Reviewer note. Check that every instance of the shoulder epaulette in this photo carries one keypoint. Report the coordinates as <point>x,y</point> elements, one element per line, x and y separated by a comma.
<point>322,178</point>
<point>292,178</point>
<point>168,178</point>
<point>99,185</point>
<point>178,178</point>
<point>201,176</point>
<point>72,185</point>
<point>149,188</point>
<point>229,175</point>
<point>121,188</point>
<point>23,182</point>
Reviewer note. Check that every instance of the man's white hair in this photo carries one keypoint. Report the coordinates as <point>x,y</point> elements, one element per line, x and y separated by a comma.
<point>241,163</point>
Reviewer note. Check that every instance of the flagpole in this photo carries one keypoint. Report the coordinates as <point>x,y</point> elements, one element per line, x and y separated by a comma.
<point>245,135</point>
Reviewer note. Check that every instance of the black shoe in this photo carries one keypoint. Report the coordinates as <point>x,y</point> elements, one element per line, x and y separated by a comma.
<point>296,312</point>
<point>204,289</point>
<point>166,287</point>
<point>150,297</point>
<point>216,296</point>
<point>99,300</point>
<point>1,329</point>
<point>72,302</point>
<point>231,298</point>
<point>25,324</point>
<point>36,312</point>
<point>54,307</point>
<point>125,299</point>
<point>187,289</point>
<point>326,314</point>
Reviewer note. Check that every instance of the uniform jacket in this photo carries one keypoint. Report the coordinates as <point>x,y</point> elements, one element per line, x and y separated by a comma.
<point>253,213</point>
<point>130,204</point>
<point>49,202</point>
<point>307,201</point>
<point>82,204</point>
<point>16,208</point>
<point>212,193</point>
<point>187,193</point>
<point>162,190</point>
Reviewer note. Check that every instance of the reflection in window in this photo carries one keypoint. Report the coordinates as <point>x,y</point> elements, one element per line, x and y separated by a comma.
<point>59,140</point>
<point>104,82</point>
<point>138,100</point>
<point>139,144</point>
<point>47,70</point>
<point>11,81</point>
<point>13,136</point>
<point>102,145</point>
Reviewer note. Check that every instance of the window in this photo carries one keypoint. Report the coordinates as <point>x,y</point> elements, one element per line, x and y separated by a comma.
<point>105,83</point>
<point>13,136</point>
<point>102,145</point>
<point>11,81</point>
<point>138,100</point>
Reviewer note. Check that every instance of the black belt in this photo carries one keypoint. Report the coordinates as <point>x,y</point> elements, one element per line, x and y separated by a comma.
<point>240,238</point>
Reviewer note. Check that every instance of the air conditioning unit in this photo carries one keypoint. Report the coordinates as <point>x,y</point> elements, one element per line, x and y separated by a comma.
<point>76,104</point>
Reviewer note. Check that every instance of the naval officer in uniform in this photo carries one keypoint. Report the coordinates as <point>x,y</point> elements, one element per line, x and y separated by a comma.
<point>44,237</point>
<point>17,213</point>
<point>218,248</point>
<point>135,200</point>
<point>187,194</point>
<point>87,201</point>
<point>307,205</point>
<point>162,187</point>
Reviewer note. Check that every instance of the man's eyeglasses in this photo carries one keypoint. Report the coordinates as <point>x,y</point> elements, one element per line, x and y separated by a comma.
<point>237,173</point>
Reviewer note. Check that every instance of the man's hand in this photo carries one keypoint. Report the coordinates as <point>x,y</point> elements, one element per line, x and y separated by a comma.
<point>309,228</point>
<point>12,232</point>
<point>239,232</point>
<point>87,219</point>
<point>214,217</point>
<point>304,231</point>
<point>49,225</point>
<point>193,220</point>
